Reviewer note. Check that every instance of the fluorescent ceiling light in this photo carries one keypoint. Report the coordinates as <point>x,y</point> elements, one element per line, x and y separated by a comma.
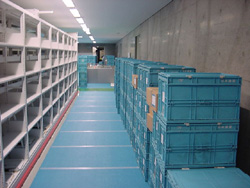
<point>79,37</point>
<point>80,20</point>
<point>69,3</point>
<point>94,41</point>
<point>92,38</point>
<point>84,27</point>
<point>88,31</point>
<point>75,12</point>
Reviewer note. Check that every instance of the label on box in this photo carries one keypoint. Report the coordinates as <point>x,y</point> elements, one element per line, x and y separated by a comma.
<point>140,76</point>
<point>144,135</point>
<point>163,96</point>
<point>161,177</point>
<point>143,162</point>
<point>162,138</point>
<point>153,100</point>
<point>145,108</point>
<point>156,125</point>
<point>155,162</point>
<point>140,104</point>
<point>136,97</point>
<point>146,81</point>
<point>134,81</point>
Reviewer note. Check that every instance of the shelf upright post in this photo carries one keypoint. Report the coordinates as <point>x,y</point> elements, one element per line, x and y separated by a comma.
<point>3,25</point>
<point>2,178</point>
<point>22,28</point>
<point>24,90</point>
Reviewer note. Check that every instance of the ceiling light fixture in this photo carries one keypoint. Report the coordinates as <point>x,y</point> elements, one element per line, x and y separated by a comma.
<point>80,20</point>
<point>94,41</point>
<point>69,3</point>
<point>91,37</point>
<point>88,31</point>
<point>79,37</point>
<point>75,12</point>
<point>84,27</point>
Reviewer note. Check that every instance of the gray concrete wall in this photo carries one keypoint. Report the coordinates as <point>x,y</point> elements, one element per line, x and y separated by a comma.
<point>210,35</point>
<point>86,49</point>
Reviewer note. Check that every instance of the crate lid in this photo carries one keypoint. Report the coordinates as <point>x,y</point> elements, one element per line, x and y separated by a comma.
<point>207,178</point>
<point>198,75</point>
<point>135,61</point>
<point>164,67</point>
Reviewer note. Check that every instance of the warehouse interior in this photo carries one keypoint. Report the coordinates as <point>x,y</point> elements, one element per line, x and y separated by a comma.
<point>211,36</point>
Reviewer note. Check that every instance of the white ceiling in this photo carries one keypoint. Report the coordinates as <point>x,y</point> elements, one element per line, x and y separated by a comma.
<point>108,20</point>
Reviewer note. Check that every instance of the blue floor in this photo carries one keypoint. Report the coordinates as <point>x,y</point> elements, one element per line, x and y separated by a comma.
<point>92,149</point>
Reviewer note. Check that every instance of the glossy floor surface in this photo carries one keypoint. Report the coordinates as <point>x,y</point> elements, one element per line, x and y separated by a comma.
<point>92,149</point>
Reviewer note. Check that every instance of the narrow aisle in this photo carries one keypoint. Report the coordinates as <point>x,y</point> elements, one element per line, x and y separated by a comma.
<point>92,149</point>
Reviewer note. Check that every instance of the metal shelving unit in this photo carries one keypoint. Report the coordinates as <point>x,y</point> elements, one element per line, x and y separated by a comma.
<point>38,78</point>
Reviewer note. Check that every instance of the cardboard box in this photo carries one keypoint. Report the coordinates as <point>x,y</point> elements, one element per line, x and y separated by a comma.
<point>154,101</point>
<point>150,121</point>
<point>135,80</point>
<point>152,98</point>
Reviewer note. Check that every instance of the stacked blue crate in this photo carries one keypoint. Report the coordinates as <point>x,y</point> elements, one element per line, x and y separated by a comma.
<point>223,178</point>
<point>148,74</point>
<point>109,60</point>
<point>123,90</point>
<point>148,77</point>
<point>91,59</point>
<point>117,84</point>
<point>82,71</point>
<point>203,110</point>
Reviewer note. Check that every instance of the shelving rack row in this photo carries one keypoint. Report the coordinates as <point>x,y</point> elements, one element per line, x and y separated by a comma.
<point>38,78</point>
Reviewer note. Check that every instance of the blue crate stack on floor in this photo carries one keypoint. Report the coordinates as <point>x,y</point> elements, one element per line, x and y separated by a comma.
<point>193,127</point>
<point>83,62</point>
<point>91,59</point>
<point>82,71</point>
<point>197,123</point>
<point>148,77</point>
<point>117,84</point>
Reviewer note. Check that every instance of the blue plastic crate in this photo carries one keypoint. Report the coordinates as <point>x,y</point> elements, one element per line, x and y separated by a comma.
<point>82,76</point>
<point>148,74</point>
<point>138,104</point>
<point>123,62</point>
<point>143,164</point>
<point>151,179</point>
<point>132,138</point>
<point>213,97</point>
<point>144,137</point>
<point>223,178</point>
<point>132,67</point>
<point>90,59</point>
<point>109,60</point>
<point>200,158</point>
<point>156,133</point>
<point>82,84</point>
<point>161,180</point>
<point>201,145</point>
<point>200,137</point>
<point>138,125</point>
<point>129,115</point>
<point>142,160</point>
<point>82,69</point>
<point>142,107</point>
